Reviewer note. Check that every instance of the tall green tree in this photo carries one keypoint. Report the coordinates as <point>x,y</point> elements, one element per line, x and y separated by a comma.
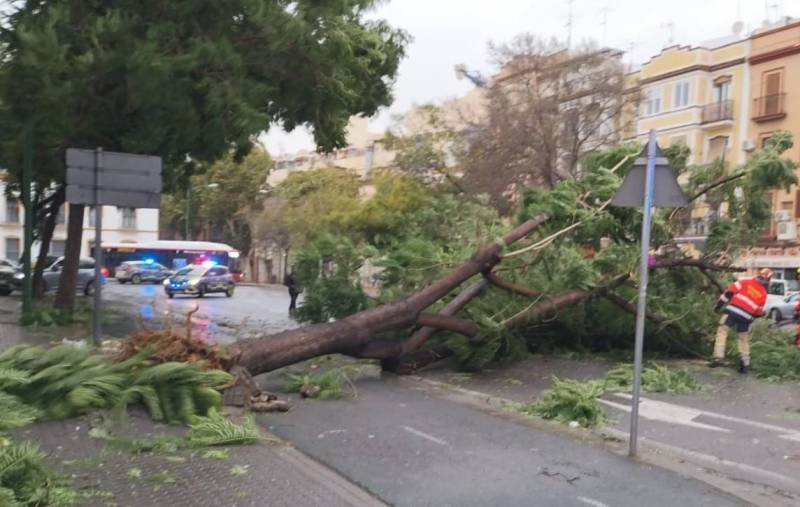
<point>184,79</point>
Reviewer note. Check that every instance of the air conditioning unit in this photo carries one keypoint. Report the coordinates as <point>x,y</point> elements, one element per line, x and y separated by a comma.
<point>783,215</point>
<point>787,231</point>
<point>748,145</point>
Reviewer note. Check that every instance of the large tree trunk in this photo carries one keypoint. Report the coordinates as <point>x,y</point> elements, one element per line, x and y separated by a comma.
<point>65,297</point>
<point>353,333</point>
<point>47,225</point>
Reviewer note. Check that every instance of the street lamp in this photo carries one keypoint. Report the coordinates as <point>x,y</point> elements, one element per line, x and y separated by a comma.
<point>188,221</point>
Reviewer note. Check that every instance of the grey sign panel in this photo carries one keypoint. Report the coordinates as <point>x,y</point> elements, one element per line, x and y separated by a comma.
<point>123,179</point>
<point>666,191</point>
<point>123,198</point>
<point>115,161</point>
<point>114,180</point>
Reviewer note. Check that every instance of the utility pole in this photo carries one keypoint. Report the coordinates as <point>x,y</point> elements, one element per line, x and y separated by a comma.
<point>188,221</point>
<point>569,23</point>
<point>27,281</point>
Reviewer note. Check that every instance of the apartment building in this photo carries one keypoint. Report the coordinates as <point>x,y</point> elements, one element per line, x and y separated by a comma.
<point>774,64</point>
<point>699,97</point>
<point>120,225</point>
<point>364,151</point>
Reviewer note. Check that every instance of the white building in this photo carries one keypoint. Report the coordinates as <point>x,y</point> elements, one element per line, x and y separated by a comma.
<point>120,225</point>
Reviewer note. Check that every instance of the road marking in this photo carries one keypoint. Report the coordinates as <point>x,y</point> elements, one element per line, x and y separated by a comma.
<point>424,435</point>
<point>674,414</point>
<point>592,502</point>
<point>785,433</point>
<point>329,432</point>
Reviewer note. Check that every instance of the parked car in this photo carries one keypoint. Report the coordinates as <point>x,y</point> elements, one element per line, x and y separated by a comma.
<point>781,308</point>
<point>200,280</point>
<point>5,263</point>
<point>85,283</point>
<point>7,281</point>
<point>142,271</point>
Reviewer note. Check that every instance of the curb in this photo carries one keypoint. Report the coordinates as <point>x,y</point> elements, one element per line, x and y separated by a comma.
<point>750,484</point>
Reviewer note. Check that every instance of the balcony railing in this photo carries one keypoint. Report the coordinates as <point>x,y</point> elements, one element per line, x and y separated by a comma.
<point>769,107</point>
<point>718,111</point>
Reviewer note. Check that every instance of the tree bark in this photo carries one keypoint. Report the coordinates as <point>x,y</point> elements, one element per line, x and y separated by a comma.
<point>47,225</point>
<point>353,332</point>
<point>65,297</point>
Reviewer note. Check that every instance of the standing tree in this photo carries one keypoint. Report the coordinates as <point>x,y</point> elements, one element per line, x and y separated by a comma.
<point>546,108</point>
<point>183,79</point>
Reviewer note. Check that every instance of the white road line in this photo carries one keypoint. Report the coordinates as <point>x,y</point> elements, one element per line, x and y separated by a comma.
<point>786,433</point>
<point>424,435</point>
<point>592,502</point>
<point>673,414</point>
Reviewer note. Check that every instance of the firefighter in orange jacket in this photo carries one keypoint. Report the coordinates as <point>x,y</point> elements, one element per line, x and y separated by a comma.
<point>743,302</point>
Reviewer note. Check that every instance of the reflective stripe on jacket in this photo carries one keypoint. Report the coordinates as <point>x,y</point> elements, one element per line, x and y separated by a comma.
<point>747,300</point>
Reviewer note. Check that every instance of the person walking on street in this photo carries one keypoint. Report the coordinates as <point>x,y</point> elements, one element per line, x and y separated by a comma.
<point>743,301</point>
<point>291,284</point>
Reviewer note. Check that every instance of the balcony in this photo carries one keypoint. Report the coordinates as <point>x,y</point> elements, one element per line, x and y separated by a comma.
<point>769,107</point>
<point>717,112</point>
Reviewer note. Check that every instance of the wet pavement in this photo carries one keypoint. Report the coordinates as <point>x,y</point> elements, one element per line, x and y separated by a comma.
<point>738,426</point>
<point>252,311</point>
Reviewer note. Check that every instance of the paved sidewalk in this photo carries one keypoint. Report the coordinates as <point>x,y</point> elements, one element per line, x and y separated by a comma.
<point>266,474</point>
<point>738,428</point>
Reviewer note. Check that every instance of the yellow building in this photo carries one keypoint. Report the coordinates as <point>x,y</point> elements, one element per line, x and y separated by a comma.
<point>699,97</point>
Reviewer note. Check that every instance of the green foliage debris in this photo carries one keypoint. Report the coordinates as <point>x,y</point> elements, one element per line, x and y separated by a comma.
<point>773,354</point>
<point>656,378</point>
<point>570,400</point>
<point>324,386</point>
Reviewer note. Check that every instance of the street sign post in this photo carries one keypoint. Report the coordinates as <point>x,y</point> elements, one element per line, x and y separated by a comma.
<point>649,183</point>
<point>101,178</point>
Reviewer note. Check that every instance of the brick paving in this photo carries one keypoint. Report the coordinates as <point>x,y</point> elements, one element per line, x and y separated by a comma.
<point>107,474</point>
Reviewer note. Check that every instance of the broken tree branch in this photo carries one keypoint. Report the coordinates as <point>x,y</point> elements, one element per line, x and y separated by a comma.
<point>511,286</point>
<point>695,263</point>
<point>355,331</point>
<point>448,323</point>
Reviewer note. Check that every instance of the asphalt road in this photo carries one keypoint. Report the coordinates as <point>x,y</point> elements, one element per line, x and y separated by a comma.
<point>251,311</point>
<point>414,450</point>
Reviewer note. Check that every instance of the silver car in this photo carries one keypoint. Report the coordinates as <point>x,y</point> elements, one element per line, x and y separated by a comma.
<point>85,283</point>
<point>781,308</point>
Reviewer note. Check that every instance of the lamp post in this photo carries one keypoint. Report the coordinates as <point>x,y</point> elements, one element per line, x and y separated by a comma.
<point>188,221</point>
<point>27,280</point>
<point>649,183</point>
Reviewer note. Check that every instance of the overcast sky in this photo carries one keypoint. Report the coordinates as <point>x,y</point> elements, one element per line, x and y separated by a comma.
<point>449,32</point>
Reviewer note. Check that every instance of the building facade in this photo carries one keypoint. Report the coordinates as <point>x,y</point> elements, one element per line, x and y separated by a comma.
<point>120,225</point>
<point>774,64</point>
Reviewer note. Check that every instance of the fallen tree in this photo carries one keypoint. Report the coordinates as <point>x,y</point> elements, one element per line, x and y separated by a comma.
<point>352,334</point>
<point>573,275</point>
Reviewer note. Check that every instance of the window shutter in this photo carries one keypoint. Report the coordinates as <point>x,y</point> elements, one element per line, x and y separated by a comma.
<point>797,203</point>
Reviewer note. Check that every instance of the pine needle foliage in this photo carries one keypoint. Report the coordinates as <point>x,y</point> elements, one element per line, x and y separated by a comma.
<point>216,429</point>
<point>570,400</point>
<point>325,386</point>
<point>656,378</point>
<point>774,355</point>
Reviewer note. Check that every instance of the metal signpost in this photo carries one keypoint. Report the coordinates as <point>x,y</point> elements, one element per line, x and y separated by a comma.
<point>649,183</point>
<point>100,179</point>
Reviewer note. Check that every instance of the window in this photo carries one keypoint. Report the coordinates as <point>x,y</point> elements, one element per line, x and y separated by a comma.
<point>12,249</point>
<point>652,103</point>
<point>86,264</point>
<point>722,91</point>
<point>681,95</point>
<point>716,148</point>
<point>764,138</point>
<point>771,93</point>
<point>57,247</point>
<point>12,210</point>
<point>128,218</point>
